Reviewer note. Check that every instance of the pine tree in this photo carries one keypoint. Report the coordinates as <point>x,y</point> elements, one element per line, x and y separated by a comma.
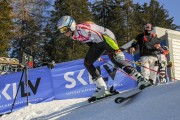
<point>6,27</point>
<point>63,48</point>
<point>157,15</point>
<point>29,22</point>
<point>114,15</point>
<point>152,13</point>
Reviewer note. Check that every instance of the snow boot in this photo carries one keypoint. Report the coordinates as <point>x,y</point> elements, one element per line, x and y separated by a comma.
<point>142,82</point>
<point>151,81</point>
<point>102,90</point>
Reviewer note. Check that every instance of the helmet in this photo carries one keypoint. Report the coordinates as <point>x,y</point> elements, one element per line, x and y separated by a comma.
<point>165,48</point>
<point>66,23</point>
<point>148,27</point>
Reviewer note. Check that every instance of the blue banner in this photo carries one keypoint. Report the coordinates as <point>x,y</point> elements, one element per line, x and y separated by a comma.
<point>65,81</point>
<point>39,90</point>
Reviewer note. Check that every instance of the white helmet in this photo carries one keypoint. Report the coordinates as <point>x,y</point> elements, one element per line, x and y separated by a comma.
<point>165,47</point>
<point>66,23</point>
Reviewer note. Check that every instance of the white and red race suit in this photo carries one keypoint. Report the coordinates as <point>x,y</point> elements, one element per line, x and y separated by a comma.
<point>99,39</point>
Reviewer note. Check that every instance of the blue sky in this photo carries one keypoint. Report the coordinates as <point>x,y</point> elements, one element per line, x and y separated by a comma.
<point>172,6</point>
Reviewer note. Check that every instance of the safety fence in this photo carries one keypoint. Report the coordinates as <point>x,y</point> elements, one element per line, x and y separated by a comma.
<point>66,80</point>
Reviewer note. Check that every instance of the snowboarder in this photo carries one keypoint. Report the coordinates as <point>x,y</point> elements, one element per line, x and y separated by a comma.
<point>99,39</point>
<point>148,45</point>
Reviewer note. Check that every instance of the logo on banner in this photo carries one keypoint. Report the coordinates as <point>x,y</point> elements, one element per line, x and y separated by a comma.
<point>13,87</point>
<point>72,80</point>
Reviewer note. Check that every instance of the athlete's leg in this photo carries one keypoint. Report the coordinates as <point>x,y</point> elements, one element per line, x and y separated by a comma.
<point>94,52</point>
<point>125,66</point>
<point>92,55</point>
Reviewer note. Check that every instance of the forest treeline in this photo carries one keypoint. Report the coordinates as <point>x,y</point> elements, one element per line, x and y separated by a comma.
<point>31,25</point>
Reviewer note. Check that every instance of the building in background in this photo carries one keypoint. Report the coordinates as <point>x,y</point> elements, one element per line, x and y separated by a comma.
<point>172,40</point>
<point>9,65</point>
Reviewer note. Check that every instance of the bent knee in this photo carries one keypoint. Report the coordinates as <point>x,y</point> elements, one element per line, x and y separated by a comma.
<point>87,63</point>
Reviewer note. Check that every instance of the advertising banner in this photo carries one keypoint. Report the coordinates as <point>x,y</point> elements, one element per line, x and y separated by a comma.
<point>39,88</point>
<point>73,80</point>
<point>66,80</point>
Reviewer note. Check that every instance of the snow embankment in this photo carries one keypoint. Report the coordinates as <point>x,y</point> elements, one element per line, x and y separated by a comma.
<point>154,103</point>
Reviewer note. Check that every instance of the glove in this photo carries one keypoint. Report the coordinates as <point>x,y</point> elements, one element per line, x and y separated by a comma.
<point>153,35</point>
<point>138,63</point>
<point>157,46</point>
<point>132,49</point>
<point>170,64</point>
<point>119,56</point>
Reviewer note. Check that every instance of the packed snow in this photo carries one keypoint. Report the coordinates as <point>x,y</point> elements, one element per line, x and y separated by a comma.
<point>154,103</point>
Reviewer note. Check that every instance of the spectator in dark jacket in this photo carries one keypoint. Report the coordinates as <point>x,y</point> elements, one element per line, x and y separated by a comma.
<point>148,45</point>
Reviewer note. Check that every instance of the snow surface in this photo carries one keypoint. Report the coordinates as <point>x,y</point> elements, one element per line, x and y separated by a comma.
<point>154,103</point>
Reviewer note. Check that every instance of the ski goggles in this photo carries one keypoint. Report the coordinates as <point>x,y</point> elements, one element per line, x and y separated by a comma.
<point>64,29</point>
<point>148,27</point>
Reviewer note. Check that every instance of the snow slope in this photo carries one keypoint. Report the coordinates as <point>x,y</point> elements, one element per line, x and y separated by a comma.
<point>154,103</point>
